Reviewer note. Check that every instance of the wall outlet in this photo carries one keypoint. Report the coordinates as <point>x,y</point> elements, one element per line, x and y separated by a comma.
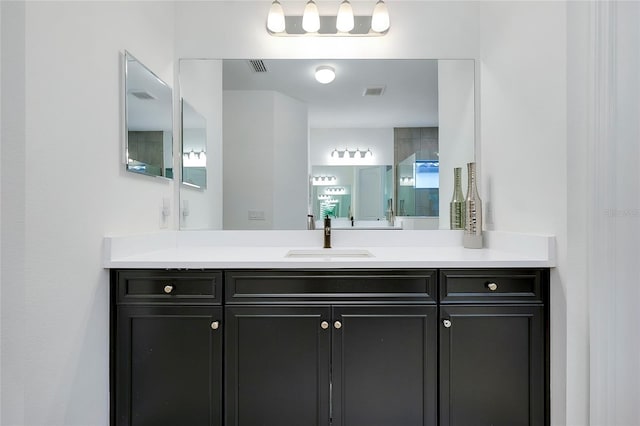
<point>256,214</point>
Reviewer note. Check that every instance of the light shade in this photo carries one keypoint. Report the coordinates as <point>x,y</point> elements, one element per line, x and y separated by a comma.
<point>311,18</point>
<point>380,18</point>
<point>325,74</point>
<point>344,20</point>
<point>275,19</point>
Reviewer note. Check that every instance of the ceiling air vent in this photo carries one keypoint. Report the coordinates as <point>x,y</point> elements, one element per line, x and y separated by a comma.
<point>373,91</point>
<point>141,94</point>
<point>257,65</point>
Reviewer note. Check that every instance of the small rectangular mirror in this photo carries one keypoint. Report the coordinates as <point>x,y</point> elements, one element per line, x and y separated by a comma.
<point>148,121</point>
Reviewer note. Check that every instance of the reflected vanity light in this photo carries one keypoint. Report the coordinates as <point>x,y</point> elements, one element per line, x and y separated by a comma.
<point>194,158</point>
<point>351,154</point>
<point>407,181</point>
<point>336,190</point>
<point>344,23</point>
<point>324,180</point>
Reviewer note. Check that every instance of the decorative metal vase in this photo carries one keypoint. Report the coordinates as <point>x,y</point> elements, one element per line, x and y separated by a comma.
<point>456,206</point>
<point>472,237</point>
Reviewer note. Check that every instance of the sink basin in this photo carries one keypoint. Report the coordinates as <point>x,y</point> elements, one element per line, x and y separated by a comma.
<point>329,253</point>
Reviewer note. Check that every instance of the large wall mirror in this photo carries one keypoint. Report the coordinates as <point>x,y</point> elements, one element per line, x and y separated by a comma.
<point>148,121</point>
<point>398,127</point>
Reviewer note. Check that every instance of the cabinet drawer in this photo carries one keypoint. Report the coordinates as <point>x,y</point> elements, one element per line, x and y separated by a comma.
<point>367,286</point>
<point>492,285</point>
<point>160,286</point>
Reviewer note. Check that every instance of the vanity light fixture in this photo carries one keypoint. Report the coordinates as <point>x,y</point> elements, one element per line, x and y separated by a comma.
<point>344,23</point>
<point>380,17</point>
<point>275,19</point>
<point>344,20</point>
<point>311,17</point>
<point>325,74</point>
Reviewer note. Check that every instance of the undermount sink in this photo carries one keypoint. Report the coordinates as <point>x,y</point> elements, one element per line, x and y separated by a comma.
<point>328,253</point>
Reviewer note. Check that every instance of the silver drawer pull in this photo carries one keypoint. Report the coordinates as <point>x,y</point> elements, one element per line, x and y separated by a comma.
<point>324,325</point>
<point>446,323</point>
<point>215,325</point>
<point>492,286</point>
<point>168,288</point>
<point>337,324</point>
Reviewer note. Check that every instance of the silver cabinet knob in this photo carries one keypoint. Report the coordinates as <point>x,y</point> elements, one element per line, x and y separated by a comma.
<point>492,286</point>
<point>446,323</point>
<point>168,288</point>
<point>324,325</point>
<point>337,324</point>
<point>215,325</point>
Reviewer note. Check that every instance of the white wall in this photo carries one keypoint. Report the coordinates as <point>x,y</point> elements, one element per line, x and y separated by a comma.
<point>523,166</point>
<point>258,173</point>
<point>605,185</point>
<point>201,86</point>
<point>68,189</point>
<point>456,127</point>
<point>323,141</point>
<point>12,179</point>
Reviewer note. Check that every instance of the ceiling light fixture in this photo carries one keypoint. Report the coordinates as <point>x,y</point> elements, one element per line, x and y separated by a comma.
<point>325,74</point>
<point>343,23</point>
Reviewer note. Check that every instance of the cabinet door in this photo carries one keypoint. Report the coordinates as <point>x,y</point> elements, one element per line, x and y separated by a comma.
<point>385,366</point>
<point>277,364</point>
<point>169,366</point>
<point>492,366</point>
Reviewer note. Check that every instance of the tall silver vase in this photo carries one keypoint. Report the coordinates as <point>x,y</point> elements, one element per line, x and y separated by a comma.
<point>473,212</point>
<point>456,206</point>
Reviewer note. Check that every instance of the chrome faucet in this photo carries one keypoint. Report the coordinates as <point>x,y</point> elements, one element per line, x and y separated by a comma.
<point>327,232</point>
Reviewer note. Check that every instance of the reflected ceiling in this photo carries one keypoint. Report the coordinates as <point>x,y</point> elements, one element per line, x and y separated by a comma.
<point>409,97</point>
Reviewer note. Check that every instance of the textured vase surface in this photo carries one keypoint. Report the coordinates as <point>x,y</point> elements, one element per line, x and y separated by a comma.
<point>456,206</point>
<point>473,212</point>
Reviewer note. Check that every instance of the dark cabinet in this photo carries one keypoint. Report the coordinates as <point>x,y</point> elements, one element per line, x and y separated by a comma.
<point>493,341</point>
<point>277,363</point>
<point>325,359</point>
<point>353,347</point>
<point>167,368</point>
<point>384,365</point>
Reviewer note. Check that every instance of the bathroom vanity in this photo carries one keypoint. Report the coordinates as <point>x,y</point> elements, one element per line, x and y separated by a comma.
<point>323,340</point>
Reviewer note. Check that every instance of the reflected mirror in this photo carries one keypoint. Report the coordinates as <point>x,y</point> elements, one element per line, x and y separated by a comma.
<point>403,123</point>
<point>194,147</point>
<point>356,196</point>
<point>148,121</point>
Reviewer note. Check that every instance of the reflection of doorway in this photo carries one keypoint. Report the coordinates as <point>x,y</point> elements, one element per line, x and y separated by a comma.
<point>370,208</point>
<point>416,159</point>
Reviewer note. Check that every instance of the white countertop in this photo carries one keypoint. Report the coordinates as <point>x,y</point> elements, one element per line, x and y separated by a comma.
<point>268,249</point>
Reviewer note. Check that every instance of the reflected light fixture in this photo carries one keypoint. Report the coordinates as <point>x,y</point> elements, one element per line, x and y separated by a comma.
<point>351,154</point>
<point>325,74</point>
<point>344,20</point>
<point>275,19</point>
<point>380,17</point>
<point>343,23</point>
<point>311,17</point>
